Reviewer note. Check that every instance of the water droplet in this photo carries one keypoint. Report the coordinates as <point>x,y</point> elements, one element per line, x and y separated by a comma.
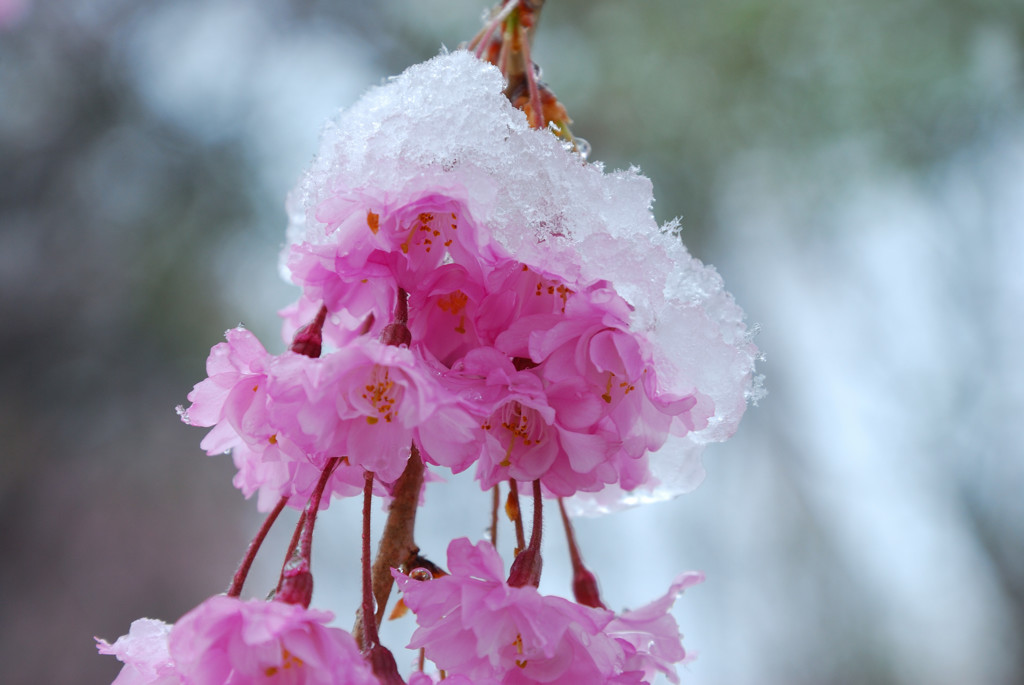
<point>582,148</point>
<point>420,573</point>
<point>538,73</point>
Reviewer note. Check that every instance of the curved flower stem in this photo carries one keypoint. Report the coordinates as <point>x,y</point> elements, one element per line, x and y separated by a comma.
<point>526,567</point>
<point>538,520</point>
<point>292,546</point>
<point>295,585</point>
<point>574,552</point>
<point>503,55</point>
<point>584,584</point>
<point>235,589</point>
<point>515,514</point>
<point>306,543</point>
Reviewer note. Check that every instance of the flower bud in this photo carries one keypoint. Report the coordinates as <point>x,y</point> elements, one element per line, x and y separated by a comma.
<point>296,586</point>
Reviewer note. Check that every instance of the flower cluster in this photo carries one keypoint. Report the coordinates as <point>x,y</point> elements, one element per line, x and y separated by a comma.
<point>473,623</point>
<point>519,372</point>
<point>473,296</point>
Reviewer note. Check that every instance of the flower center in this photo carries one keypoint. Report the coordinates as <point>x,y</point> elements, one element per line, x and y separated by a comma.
<point>382,394</point>
<point>522,423</point>
<point>288,660</point>
<point>559,290</point>
<point>518,643</point>
<point>626,387</point>
<point>455,304</point>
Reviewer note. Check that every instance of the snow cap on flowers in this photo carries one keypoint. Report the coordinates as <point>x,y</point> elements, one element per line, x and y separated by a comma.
<point>442,136</point>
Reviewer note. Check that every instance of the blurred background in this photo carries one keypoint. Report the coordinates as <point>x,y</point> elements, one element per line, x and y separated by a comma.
<point>854,170</point>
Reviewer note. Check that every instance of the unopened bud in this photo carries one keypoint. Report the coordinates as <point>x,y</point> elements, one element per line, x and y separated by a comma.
<point>382,662</point>
<point>309,339</point>
<point>584,588</point>
<point>396,334</point>
<point>296,587</point>
<point>526,568</point>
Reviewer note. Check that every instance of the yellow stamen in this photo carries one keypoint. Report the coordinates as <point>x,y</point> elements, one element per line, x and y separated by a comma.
<point>288,660</point>
<point>381,393</point>
<point>607,396</point>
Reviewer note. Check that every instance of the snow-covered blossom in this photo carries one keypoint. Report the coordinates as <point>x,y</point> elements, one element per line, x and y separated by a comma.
<point>434,185</point>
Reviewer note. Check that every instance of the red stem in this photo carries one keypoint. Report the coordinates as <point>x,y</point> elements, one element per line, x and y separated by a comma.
<point>306,549</point>
<point>483,38</point>
<point>538,508</point>
<point>584,584</point>
<point>369,635</point>
<point>292,546</point>
<point>526,567</point>
<point>243,569</point>
<point>531,80</point>
<point>574,552</point>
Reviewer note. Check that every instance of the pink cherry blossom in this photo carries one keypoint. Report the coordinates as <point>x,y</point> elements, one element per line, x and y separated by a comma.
<point>228,640</point>
<point>521,435</point>
<point>442,313</point>
<point>367,402</point>
<point>471,623</point>
<point>650,634</point>
<point>234,400</point>
<point>370,242</point>
<point>144,652</point>
<point>589,344</point>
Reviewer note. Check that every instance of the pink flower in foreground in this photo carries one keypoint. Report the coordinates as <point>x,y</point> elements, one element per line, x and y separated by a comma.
<point>650,634</point>
<point>471,623</point>
<point>144,653</point>
<point>228,640</point>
